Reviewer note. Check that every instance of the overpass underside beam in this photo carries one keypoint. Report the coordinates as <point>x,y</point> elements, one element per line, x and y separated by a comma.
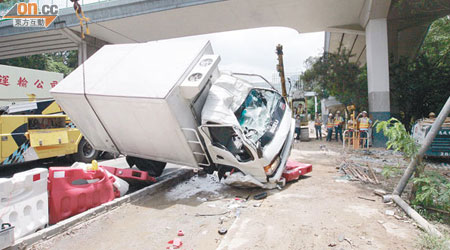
<point>35,43</point>
<point>61,39</point>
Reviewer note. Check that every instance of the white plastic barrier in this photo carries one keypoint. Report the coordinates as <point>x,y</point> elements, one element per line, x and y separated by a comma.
<point>24,201</point>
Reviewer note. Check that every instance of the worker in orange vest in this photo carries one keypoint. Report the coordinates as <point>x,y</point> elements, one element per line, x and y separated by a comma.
<point>318,126</point>
<point>350,125</point>
<point>338,121</point>
<point>364,124</point>
<point>330,125</point>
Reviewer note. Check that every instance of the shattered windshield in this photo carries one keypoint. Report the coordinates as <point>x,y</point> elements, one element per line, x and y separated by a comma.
<point>260,114</point>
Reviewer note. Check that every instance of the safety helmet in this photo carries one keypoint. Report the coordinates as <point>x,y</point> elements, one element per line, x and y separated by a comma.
<point>432,115</point>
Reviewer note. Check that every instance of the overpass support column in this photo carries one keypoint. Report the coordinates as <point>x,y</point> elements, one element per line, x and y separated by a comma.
<point>378,74</point>
<point>82,52</point>
<point>86,48</point>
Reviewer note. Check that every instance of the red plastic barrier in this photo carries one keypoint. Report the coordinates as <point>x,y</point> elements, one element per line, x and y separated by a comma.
<point>130,175</point>
<point>295,169</point>
<point>74,190</point>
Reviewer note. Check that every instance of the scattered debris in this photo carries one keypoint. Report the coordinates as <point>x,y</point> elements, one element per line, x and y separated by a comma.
<point>341,238</point>
<point>240,180</point>
<point>260,196</point>
<point>390,212</point>
<point>373,174</point>
<point>180,233</point>
<point>238,212</point>
<point>380,192</point>
<point>398,217</point>
<point>176,243</point>
<point>196,186</point>
<point>212,214</point>
<point>364,198</point>
<point>356,171</point>
<point>202,199</point>
<point>349,241</point>
<point>222,231</point>
<point>332,244</point>
<point>257,204</point>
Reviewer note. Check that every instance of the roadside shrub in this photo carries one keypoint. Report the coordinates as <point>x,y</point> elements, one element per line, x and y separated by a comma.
<point>432,192</point>
<point>390,171</point>
<point>398,138</point>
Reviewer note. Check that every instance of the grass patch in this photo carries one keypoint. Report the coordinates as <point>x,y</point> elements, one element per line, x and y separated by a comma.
<point>428,241</point>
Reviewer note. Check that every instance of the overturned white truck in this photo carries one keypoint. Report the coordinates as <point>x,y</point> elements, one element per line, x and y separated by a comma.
<point>167,101</point>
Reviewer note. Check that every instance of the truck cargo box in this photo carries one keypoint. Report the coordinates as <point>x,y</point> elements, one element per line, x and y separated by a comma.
<point>147,112</point>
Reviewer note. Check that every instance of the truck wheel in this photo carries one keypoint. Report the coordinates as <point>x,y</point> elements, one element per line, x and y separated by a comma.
<point>153,168</point>
<point>86,153</point>
<point>131,161</point>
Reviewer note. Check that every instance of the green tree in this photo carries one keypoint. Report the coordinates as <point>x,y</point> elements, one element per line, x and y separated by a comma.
<point>420,85</point>
<point>61,62</point>
<point>335,74</point>
<point>437,42</point>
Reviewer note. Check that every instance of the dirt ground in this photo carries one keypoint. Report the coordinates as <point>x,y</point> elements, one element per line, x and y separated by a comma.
<point>320,211</point>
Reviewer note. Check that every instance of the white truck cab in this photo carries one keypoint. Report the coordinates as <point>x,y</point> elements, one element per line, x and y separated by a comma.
<point>168,102</point>
<point>246,128</point>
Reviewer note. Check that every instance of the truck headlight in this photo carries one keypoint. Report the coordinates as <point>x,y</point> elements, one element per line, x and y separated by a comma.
<point>269,169</point>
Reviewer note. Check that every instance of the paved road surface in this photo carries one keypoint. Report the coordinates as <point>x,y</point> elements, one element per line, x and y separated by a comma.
<point>313,213</point>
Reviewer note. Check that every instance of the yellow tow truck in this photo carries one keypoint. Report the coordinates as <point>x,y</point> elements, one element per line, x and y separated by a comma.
<point>38,130</point>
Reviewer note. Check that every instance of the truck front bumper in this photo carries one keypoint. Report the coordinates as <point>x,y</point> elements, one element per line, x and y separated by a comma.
<point>242,180</point>
<point>285,153</point>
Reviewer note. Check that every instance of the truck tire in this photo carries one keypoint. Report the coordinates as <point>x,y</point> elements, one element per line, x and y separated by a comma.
<point>86,153</point>
<point>153,168</point>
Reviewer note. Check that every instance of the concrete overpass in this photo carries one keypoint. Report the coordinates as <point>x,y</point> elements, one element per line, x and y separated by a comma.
<point>128,21</point>
<point>407,27</point>
<point>398,32</point>
<point>360,25</point>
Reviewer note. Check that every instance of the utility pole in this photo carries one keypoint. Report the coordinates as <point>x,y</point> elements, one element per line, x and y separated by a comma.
<point>280,69</point>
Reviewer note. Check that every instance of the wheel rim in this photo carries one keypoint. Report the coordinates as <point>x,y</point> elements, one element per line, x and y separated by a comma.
<point>88,150</point>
